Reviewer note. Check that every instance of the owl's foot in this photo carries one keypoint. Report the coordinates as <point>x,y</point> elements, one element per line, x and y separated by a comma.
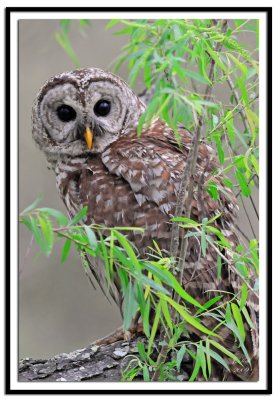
<point>134,329</point>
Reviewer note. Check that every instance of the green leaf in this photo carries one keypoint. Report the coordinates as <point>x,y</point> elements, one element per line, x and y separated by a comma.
<point>128,248</point>
<point>58,215</point>
<point>209,303</point>
<point>207,350</point>
<point>150,282</point>
<point>247,317</point>
<point>65,250</point>
<point>79,216</point>
<point>255,163</point>
<point>195,371</point>
<point>47,231</point>
<point>111,23</point>
<point>180,356</point>
<point>166,314</point>
<point>245,189</point>
<point>218,358</point>
<point>201,355</point>
<point>32,206</point>
<point>37,235</point>
<point>238,319</point>
<point>212,190</point>
<point>220,235</point>
<point>188,318</point>
<point>228,313</point>
<point>195,75</point>
<point>228,183</point>
<point>219,266</point>
<point>244,295</point>
<point>141,350</point>
<point>172,281</point>
<point>154,327</point>
<point>130,306</point>
<point>225,351</point>
<point>146,375</point>
<point>91,237</point>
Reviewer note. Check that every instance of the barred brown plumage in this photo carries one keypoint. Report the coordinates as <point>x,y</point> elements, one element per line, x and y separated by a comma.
<point>126,180</point>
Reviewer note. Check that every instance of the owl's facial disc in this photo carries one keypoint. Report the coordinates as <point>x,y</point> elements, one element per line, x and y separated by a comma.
<point>82,112</point>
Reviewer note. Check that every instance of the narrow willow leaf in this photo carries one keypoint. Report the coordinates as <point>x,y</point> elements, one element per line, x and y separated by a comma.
<point>230,131</point>
<point>214,218</point>
<point>91,237</point>
<point>33,205</point>
<point>249,116</point>
<point>213,190</point>
<point>154,327</point>
<point>130,306</point>
<point>65,250</point>
<point>247,317</point>
<point>228,314</point>
<point>245,189</point>
<point>150,282</point>
<point>188,318</point>
<point>255,163</point>
<point>111,23</point>
<point>238,319</point>
<point>37,235</point>
<point>104,255</point>
<point>180,355</point>
<point>208,357</point>
<point>144,305</point>
<point>218,358</point>
<point>219,266</point>
<point>215,56</point>
<point>229,184</point>
<point>79,216</point>
<point>47,231</point>
<point>203,361</point>
<point>225,351</point>
<point>128,248</point>
<point>146,375</point>
<point>58,215</point>
<point>220,235</point>
<point>172,281</point>
<point>148,74</point>
<point>195,75</point>
<point>244,295</point>
<point>195,371</point>
<point>141,350</point>
<point>209,303</point>
<point>166,314</point>
<point>186,220</point>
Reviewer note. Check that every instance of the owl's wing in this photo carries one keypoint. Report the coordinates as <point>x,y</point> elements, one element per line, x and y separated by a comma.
<point>152,166</point>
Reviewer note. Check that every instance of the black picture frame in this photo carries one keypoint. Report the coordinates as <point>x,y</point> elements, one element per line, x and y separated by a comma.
<point>268,227</point>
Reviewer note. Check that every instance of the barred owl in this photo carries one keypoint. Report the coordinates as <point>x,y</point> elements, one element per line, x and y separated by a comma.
<point>85,122</point>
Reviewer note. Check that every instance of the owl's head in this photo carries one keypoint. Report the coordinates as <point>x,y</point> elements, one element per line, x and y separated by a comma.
<point>83,111</point>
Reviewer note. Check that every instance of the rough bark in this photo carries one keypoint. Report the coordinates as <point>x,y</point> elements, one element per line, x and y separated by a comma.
<point>92,363</point>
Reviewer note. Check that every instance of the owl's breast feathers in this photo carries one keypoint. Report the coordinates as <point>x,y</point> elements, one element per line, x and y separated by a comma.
<point>135,182</point>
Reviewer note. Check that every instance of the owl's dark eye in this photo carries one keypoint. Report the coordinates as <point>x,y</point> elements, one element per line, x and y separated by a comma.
<point>66,113</point>
<point>102,108</point>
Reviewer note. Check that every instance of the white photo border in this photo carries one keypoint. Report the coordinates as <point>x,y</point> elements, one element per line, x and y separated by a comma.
<point>13,386</point>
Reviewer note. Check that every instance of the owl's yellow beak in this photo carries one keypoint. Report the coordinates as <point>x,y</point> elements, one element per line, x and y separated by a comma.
<point>89,138</point>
